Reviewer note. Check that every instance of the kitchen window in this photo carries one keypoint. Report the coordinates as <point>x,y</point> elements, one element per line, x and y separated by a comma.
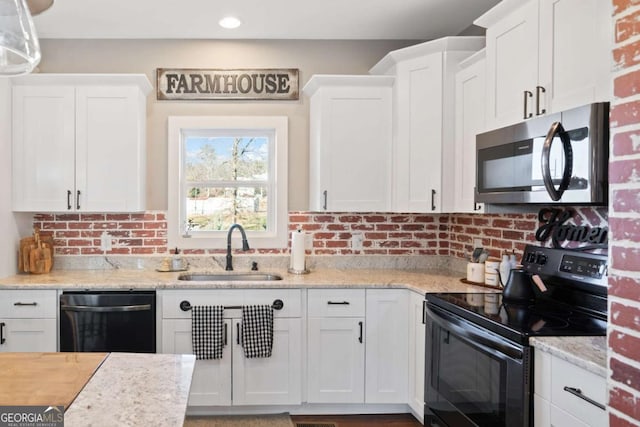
<point>225,170</point>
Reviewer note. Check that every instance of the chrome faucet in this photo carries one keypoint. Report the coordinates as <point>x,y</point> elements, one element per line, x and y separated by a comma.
<point>245,244</point>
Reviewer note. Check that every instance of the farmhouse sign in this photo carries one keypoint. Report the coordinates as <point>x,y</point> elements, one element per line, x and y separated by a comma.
<point>217,84</point>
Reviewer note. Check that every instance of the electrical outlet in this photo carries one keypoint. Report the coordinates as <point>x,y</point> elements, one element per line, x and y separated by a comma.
<point>477,243</point>
<point>105,241</point>
<point>356,241</point>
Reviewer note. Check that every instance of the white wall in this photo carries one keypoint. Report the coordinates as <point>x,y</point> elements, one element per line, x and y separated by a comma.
<point>12,227</point>
<point>145,56</point>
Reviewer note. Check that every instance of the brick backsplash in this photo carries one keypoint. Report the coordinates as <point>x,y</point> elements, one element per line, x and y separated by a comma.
<point>383,233</point>
<point>624,269</point>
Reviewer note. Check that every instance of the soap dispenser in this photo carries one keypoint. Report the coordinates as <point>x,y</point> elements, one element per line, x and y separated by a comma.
<point>176,261</point>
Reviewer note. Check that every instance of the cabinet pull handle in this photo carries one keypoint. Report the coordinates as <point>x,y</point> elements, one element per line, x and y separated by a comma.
<point>225,335</point>
<point>338,302</point>
<point>360,337</point>
<point>2,338</point>
<point>68,200</point>
<point>477,206</point>
<point>238,333</point>
<point>527,94</point>
<point>433,200</point>
<point>78,200</point>
<point>539,90</point>
<point>324,203</point>
<point>424,312</point>
<point>578,393</point>
<point>22,304</point>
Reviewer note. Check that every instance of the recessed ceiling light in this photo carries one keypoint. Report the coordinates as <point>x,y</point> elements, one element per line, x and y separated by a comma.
<point>229,22</point>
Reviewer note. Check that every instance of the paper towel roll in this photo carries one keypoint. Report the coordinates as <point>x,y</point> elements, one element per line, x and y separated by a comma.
<point>297,251</point>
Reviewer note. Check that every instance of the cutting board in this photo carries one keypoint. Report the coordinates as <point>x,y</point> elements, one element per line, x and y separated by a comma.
<point>47,379</point>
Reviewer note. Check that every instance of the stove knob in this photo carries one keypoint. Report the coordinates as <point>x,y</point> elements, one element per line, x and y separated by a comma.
<point>541,259</point>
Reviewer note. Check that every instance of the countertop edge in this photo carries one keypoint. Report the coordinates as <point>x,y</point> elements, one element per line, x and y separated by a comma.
<point>589,353</point>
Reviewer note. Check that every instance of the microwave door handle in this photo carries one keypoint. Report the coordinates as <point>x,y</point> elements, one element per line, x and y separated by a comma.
<point>557,129</point>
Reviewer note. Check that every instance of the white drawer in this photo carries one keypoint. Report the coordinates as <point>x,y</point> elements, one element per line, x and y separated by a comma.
<point>336,302</point>
<point>28,304</point>
<point>564,374</point>
<point>171,300</point>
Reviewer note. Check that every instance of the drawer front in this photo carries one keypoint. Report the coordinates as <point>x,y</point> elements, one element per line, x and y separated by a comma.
<point>560,418</point>
<point>336,302</point>
<point>28,304</point>
<point>171,300</point>
<point>564,374</point>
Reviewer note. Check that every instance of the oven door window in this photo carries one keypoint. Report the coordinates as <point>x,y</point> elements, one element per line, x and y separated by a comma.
<point>469,379</point>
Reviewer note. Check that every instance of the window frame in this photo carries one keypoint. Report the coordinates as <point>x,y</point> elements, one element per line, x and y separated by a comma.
<point>181,126</point>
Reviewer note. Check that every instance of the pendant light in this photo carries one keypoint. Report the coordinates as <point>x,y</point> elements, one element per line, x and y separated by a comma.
<point>19,47</point>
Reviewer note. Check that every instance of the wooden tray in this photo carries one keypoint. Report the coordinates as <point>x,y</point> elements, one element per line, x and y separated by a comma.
<point>469,282</point>
<point>45,379</point>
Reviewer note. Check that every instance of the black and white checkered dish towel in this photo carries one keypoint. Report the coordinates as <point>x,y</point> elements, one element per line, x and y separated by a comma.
<point>257,330</point>
<point>206,331</point>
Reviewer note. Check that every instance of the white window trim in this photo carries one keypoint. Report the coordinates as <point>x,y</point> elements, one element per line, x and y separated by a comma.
<point>257,240</point>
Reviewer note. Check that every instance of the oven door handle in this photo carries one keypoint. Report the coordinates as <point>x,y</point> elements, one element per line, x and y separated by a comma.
<point>106,309</point>
<point>474,335</point>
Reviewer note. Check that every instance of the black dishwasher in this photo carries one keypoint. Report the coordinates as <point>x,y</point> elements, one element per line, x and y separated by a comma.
<point>108,321</point>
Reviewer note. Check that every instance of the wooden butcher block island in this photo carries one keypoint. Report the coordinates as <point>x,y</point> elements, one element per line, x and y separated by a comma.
<point>100,389</point>
<point>47,379</point>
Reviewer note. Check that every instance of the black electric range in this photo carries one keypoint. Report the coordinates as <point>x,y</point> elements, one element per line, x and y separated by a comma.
<point>479,364</point>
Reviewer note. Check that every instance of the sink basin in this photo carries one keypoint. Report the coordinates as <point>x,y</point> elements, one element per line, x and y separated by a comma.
<point>225,277</point>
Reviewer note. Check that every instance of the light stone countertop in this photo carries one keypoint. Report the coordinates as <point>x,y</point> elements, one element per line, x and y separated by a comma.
<point>421,281</point>
<point>589,353</point>
<point>135,389</point>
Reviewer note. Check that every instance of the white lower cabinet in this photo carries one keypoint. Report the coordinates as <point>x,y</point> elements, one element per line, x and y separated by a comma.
<point>235,379</point>
<point>211,383</point>
<point>336,360</point>
<point>28,321</point>
<point>357,346</point>
<point>336,350</point>
<point>386,361</point>
<point>275,380</point>
<point>417,332</point>
<point>567,395</point>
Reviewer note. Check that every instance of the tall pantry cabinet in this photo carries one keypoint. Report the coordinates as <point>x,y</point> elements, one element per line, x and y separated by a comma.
<point>79,142</point>
<point>423,121</point>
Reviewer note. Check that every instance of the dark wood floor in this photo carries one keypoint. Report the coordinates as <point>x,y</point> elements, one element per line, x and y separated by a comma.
<point>392,420</point>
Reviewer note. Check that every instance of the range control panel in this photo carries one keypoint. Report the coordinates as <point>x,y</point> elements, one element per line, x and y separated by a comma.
<point>566,264</point>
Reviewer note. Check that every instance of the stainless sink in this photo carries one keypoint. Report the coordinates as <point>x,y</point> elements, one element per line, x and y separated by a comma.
<point>225,277</point>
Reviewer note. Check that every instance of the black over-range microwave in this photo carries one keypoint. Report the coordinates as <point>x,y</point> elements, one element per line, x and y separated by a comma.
<point>559,158</point>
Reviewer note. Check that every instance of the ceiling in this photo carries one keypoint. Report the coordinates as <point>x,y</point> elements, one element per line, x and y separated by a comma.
<point>262,19</point>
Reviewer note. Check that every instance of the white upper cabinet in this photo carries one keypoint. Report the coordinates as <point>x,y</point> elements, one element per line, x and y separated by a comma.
<point>79,142</point>
<point>545,56</point>
<point>423,132</point>
<point>470,120</point>
<point>350,143</point>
